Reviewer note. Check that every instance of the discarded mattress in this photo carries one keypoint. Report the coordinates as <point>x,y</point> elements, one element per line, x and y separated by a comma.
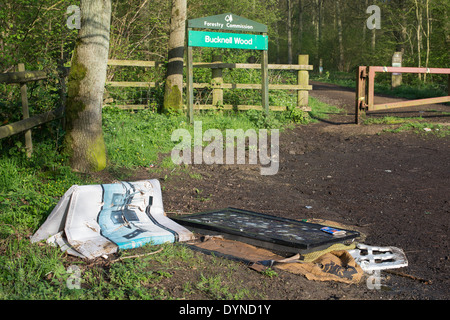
<point>265,231</point>
<point>95,220</point>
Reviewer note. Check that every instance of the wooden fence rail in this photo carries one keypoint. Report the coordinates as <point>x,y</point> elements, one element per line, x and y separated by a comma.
<point>218,85</point>
<point>29,123</point>
<point>302,87</point>
<point>22,77</point>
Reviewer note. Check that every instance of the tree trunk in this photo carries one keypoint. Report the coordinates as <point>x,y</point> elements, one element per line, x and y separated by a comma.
<point>366,5</point>
<point>173,94</point>
<point>399,31</point>
<point>340,36</point>
<point>300,27</point>
<point>427,59</point>
<point>315,21</point>
<point>318,27</point>
<point>84,135</point>
<point>374,37</point>
<point>289,31</point>
<point>419,35</point>
<point>277,42</point>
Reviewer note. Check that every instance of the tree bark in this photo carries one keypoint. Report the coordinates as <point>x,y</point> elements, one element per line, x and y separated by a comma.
<point>419,35</point>
<point>374,36</point>
<point>318,27</point>
<point>399,30</point>
<point>277,42</point>
<point>340,36</point>
<point>84,135</point>
<point>366,5</point>
<point>289,31</point>
<point>300,27</point>
<point>428,35</point>
<point>173,94</point>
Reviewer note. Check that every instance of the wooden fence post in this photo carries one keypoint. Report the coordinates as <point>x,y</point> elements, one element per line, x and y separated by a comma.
<point>25,112</point>
<point>265,80</point>
<point>189,80</point>
<point>361,92</point>
<point>217,81</point>
<point>303,80</point>
<point>370,82</point>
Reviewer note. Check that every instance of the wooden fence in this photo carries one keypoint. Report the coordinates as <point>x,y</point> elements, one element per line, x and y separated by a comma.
<point>27,123</point>
<point>22,77</point>
<point>131,84</point>
<point>217,85</point>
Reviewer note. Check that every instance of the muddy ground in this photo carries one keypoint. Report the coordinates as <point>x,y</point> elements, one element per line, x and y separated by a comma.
<point>393,187</point>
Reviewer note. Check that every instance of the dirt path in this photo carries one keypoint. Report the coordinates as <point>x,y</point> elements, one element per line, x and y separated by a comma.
<point>394,187</point>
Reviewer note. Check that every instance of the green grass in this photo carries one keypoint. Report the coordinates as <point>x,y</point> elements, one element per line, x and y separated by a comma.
<point>40,272</point>
<point>417,125</point>
<point>30,188</point>
<point>321,110</point>
<point>390,120</point>
<point>424,128</point>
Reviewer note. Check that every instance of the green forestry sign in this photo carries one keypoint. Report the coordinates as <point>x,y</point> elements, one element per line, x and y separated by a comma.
<point>247,40</point>
<point>227,40</point>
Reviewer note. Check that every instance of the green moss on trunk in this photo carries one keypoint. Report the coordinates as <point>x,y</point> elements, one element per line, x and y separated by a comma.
<point>97,154</point>
<point>173,98</point>
<point>77,74</point>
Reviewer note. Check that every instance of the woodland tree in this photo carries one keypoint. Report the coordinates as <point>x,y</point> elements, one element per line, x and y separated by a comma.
<point>84,136</point>
<point>173,95</point>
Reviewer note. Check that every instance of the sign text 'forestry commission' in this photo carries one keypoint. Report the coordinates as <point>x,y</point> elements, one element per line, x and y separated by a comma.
<point>227,22</point>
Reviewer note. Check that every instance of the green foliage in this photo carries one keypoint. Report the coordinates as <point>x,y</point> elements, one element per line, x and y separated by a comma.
<point>321,110</point>
<point>8,174</point>
<point>417,125</point>
<point>424,128</point>
<point>269,272</point>
<point>137,139</point>
<point>214,288</point>
<point>34,32</point>
<point>29,188</point>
